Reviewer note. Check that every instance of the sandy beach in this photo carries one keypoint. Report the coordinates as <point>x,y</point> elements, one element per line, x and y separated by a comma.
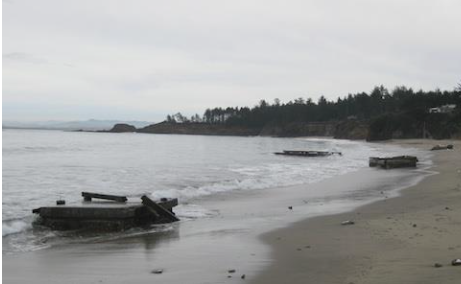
<point>396,240</point>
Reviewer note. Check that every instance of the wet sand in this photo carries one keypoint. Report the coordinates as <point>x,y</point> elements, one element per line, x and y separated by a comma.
<point>396,240</point>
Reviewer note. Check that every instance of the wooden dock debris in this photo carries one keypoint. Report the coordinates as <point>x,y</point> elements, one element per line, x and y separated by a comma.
<point>373,161</point>
<point>307,153</point>
<point>87,196</point>
<point>105,215</point>
<point>393,162</point>
<point>157,209</point>
<point>442,147</point>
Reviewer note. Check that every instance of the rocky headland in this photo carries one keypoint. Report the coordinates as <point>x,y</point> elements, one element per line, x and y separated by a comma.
<point>341,130</point>
<point>353,129</point>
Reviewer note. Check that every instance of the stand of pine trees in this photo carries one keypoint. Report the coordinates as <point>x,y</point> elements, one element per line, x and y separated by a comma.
<point>400,113</point>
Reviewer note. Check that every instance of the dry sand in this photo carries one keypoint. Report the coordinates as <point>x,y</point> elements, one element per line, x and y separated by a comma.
<point>396,240</point>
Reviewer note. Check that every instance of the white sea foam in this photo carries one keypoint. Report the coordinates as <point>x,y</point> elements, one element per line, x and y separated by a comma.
<point>192,211</point>
<point>261,177</point>
<point>14,227</point>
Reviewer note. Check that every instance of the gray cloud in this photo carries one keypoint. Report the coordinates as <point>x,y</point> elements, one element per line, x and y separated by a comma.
<point>15,56</point>
<point>167,56</point>
<point>23,57</point>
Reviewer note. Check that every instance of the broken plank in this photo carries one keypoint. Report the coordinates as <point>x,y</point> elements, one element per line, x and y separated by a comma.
<point>89,195</point>
<point>158,208</point>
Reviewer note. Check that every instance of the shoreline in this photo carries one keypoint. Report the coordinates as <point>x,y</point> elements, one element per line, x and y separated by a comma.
<point>220,243</point>
<point>396,240</point>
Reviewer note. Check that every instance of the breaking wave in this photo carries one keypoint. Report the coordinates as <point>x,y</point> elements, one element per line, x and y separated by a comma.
<point>10,227</point>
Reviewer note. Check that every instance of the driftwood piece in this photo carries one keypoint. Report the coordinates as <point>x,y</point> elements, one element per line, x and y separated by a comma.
<point>158,209</point>
<point>89,195</point>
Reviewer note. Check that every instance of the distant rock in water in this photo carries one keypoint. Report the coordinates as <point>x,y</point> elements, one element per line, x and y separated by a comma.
<point>122,127</point>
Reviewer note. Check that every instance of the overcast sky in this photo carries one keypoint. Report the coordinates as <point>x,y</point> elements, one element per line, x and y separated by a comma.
<point>140,60</point>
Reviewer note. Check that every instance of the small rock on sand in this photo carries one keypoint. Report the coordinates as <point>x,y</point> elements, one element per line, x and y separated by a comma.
<point>456,262</point>
<point>231,271</point>
<point>348,222</point>
<point>157,271</point>
<point>437,265</point>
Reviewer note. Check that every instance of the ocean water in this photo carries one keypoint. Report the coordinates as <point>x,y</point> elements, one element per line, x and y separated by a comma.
<point>42,166</point>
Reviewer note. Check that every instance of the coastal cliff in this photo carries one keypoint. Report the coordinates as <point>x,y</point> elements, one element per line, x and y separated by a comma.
<point>193,128</point>
<point>352,130</point>
<point>288,130</point>
<point>419,125</point>
<point>341,130</point>
<point>299,129</point>
<point>382,128</point>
